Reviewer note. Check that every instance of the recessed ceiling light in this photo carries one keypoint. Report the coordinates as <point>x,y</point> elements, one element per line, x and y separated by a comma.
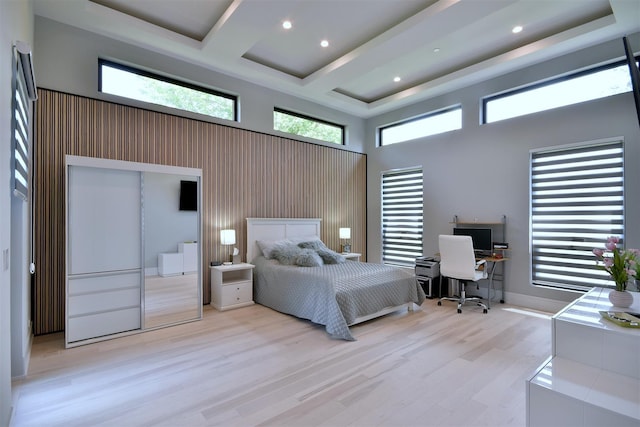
<point>287,25</point>
<point>397,79</point>
<point>516,29</point>
<point>324,43</point>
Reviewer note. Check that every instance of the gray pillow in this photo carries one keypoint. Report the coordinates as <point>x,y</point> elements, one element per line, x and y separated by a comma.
<point>309,258</point>
<point>328,256</point>
<point>267,246</point>
<point>316,245</point>
<point>286,253</point>
<point>331,257</point>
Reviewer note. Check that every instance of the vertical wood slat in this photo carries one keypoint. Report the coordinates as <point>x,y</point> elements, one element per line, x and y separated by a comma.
<point>245,174</point>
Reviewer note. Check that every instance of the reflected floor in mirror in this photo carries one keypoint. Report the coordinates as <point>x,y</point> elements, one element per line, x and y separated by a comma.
<point>170,299</point>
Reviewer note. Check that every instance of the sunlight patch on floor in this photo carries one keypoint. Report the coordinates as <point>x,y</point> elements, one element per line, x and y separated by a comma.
<point>528,312</point>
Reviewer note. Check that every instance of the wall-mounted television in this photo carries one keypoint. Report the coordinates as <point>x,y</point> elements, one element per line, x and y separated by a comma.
<point>482,237</point>
<point>188,195</point>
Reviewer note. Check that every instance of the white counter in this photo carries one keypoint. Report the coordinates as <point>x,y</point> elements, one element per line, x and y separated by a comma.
<point>593,375</point>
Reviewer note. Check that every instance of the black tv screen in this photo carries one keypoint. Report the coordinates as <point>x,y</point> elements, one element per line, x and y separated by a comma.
<point>188,195</point>
<point>482,237</point>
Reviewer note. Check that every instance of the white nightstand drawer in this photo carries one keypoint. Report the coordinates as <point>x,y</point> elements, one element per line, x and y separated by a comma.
<point>237,293</point>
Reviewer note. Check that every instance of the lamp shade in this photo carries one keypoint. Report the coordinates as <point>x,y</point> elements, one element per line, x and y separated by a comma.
<point>345,233</point>
<point>228,237</point>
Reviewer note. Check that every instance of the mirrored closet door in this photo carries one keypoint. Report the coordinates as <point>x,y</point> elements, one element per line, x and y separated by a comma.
<point>171,291</point>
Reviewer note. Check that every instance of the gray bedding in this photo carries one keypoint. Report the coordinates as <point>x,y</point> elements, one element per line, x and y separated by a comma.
<point>333,295</point>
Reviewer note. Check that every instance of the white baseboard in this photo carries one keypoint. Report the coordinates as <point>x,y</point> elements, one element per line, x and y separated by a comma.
<point>535,303</point>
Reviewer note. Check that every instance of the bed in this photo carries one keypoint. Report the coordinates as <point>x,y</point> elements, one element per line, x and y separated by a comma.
<point>334,295</point>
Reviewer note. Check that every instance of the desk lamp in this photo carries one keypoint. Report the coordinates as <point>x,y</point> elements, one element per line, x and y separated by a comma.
<point>345,234</point>
<point>228,238</point>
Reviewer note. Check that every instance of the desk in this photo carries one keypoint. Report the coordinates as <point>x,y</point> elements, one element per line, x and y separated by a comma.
<point>493,261</point>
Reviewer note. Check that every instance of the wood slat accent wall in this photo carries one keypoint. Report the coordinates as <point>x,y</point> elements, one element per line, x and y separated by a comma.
<point>245,174</point>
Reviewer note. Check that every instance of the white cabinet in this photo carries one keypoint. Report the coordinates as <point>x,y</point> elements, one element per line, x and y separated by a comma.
<point>231,286</point>
<point>185,261</point>
<point>189,253</point>
<point>593,375</point>
<point>352,256</point>
<point>170,264</point>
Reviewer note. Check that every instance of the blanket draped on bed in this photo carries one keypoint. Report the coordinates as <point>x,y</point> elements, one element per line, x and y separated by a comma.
<point>333,295</point>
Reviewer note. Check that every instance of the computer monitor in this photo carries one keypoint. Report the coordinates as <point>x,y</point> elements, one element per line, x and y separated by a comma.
<point>482,237</point>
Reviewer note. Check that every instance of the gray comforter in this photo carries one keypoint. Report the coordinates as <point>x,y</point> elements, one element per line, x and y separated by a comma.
<point>333,295</point>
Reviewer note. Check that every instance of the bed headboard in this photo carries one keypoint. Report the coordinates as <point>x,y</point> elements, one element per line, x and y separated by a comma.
<point>276,229</point>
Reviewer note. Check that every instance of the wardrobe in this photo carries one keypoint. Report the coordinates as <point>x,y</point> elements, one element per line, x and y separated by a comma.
<point>121,219</point>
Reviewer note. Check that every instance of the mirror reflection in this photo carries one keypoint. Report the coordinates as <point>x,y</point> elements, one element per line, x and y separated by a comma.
<point>171,291</point>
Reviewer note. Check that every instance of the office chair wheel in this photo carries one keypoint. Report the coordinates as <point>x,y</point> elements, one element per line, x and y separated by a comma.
<point>439,302</point>
<point>459,310</point>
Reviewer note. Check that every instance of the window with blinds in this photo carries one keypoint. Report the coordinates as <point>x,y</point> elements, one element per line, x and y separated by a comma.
<point>402,207</point>
<point>21,123</point>
<point>576,202</point>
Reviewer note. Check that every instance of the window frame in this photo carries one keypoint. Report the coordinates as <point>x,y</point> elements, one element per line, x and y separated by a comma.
<point>430,114</point>
<point>572,266</point>
<point>400,251</point>
<point>313,119</point>
<point>166,79</point>
<point>549,82</point>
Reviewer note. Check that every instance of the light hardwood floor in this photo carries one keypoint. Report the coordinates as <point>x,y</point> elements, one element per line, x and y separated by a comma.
<point>254,366</point>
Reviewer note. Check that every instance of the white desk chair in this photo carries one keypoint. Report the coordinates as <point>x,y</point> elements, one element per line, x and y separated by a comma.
<point>458,261</point>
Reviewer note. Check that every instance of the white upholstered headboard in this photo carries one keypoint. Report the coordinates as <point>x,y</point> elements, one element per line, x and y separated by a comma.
<point>276,229</point>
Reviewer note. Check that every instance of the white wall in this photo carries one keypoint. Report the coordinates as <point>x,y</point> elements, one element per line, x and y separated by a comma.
<point>483,171</point>
<point>68,62</point>
<point>16,23</point>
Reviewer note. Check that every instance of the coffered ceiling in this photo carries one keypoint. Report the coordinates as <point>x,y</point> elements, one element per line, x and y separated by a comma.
<point>428,46</point>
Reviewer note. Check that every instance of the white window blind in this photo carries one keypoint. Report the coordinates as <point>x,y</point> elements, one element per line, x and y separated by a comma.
<point>21,123</point>
<point>577,201</point>
<point>402,207</point>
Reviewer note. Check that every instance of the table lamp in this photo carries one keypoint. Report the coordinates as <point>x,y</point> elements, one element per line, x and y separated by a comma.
<point>228,238</point>
<point>345,234</point>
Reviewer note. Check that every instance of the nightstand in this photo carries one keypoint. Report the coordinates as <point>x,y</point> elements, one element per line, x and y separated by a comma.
<point>231,286</point>
<point>352,256</point>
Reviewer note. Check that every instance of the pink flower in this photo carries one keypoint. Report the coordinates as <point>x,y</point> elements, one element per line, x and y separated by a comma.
<point>621,264</point>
